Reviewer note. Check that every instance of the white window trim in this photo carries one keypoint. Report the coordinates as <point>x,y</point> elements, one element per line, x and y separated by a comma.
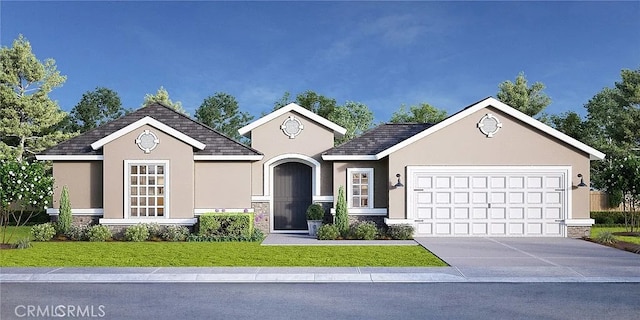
<point>351,171</point>
<point>127,188</point>
<point>160,221</point>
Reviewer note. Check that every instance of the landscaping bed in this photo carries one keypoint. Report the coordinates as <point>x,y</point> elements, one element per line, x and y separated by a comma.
<point>619,238</point>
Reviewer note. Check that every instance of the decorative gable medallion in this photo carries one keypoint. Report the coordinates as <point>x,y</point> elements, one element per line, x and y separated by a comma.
<point>489,125</point>
<point>147,141</point>
<point>292,127</point>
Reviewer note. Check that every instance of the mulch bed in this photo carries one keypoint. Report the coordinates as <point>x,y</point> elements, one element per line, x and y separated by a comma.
<point>621,245</point>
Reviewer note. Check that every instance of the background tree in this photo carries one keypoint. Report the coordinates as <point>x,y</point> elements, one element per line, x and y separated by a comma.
<point>65,218</point>
<point>622,178</point>
<point>222,113</point>
<point>570,123</point>
<point>94,109</point>
<point>27,114</point>
<point>529,100</point>
<point>162,96</point>
<point>422,113</point>
<point>356,117</point>
<point>317,103</point>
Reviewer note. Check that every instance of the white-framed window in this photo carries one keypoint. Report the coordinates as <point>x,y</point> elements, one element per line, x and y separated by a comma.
<point>146,189</point>
<point>360,187</point>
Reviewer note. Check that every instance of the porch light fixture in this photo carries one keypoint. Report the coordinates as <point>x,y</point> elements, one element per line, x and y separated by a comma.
<point>581,184</point>
<point>399,184</point>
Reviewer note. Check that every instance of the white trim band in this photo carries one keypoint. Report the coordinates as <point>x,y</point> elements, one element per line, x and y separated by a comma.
<point>128,222</point>
<point>222,210</point>
<point>579,222</point>
<point>364,211</point>
<point>46,157</point>
<point>79,212</point>
<point>227,158</point>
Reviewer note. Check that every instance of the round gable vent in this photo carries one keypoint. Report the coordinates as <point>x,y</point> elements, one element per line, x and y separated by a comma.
<point>292,127</point>
<point>147,141</point>
<point>489,125</point>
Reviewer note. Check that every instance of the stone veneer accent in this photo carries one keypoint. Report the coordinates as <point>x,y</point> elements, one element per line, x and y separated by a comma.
<point>578,232</point>
<point>379,220</point>
<point>261,216</point>
<point>79,220</point>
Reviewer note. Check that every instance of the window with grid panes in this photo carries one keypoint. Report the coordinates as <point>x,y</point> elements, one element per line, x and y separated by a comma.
<point>147,185</point>
<point>360,187</point>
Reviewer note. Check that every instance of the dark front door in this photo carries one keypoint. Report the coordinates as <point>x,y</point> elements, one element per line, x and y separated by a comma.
<point>291,195</point>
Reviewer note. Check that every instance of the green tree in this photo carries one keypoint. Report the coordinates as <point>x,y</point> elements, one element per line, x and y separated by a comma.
<point>162,96</point>
<point>342,215</point>
<point>622,177</point>
<point>28,116</point>
<point>222,113</point>
<point>528,99</point>
<point>64,216</point>
<point>356,117</point>
<point>25,189</point>
<point>569,123</point>
<point>95,108</point>
<point>317,103</point>
<point>422,113</point>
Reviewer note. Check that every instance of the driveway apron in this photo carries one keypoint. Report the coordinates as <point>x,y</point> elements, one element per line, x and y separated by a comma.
<point>533,256</point>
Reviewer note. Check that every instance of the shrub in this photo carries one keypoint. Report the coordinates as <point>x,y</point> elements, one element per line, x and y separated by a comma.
<point>98,233</point>
<point>315,212</point>
<point>23,243</point>
<point>255,236</point>
<point>226,225</point>
<point>606,237</point>
<point>77,233</point>
<point>175,233</point>
<point>155,230</point>
<point>365,230</point>
<point>43,232</point>
<point>400,231</point>
<point>342,216</point>
<point>328,232</point>
<point>137,233</point>
<point>608,218</point>
<point>64,217</point>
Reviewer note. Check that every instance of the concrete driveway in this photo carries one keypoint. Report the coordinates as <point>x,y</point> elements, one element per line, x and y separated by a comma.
<point>559,257</point>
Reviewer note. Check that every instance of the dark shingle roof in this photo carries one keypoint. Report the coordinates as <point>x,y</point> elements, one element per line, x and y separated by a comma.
<point>378,139</point>
<point>216,143</point>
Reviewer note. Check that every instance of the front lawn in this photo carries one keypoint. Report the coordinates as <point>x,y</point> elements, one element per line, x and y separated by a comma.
<point>595,230</point>
<point>212,254</point>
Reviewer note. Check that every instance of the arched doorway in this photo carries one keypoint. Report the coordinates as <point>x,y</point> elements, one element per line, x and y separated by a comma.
<point>292,194</point>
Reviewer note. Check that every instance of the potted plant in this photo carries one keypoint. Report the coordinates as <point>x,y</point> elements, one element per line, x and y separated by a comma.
<point>315,214</point>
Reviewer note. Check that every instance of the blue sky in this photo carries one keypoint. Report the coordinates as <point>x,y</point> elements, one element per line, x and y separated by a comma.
<point>383,54</point>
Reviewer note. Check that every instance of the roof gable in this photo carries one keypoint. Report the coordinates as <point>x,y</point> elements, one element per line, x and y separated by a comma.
<point>338,131</point>
<point>208,144</point>
<point>488,102</point>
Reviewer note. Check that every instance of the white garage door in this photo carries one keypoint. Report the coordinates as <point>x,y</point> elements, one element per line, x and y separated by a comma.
<point>488,201</point>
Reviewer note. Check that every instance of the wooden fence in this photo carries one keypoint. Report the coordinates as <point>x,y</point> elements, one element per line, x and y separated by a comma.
<point>600,202</point>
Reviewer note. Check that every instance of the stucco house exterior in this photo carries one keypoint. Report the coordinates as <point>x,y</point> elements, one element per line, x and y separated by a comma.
<point>488,170</point>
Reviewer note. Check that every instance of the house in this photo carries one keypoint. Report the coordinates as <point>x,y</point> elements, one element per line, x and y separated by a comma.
<point>488,170</point>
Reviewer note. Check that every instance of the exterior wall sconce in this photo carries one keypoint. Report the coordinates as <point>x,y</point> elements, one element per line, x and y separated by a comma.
<point>399,184</point>
<point>581,184</point>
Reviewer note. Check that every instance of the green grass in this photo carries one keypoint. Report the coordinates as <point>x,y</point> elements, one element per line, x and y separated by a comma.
<point>18,233</point>
<point>596,230</point>
<point>212,254</point>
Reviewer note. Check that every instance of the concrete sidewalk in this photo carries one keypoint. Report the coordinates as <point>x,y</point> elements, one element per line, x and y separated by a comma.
<point>317,275</point>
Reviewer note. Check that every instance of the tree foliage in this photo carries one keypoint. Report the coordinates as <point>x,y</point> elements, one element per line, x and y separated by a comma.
<point>162,96</point>
<point>25,189</point>
<point>422,113</point>
<point>528,99</point>
<point>64,216</point>
<point>221,112</point>
<point>310,100</point>
<point>28,117</point>
<point>622,178</point>
<point>342,215</point>
<point>95,108</point>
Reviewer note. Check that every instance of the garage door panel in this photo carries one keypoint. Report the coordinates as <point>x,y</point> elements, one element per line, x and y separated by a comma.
<point>518,201</point>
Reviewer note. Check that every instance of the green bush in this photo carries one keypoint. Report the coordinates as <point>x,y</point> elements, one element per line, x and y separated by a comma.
<point>23,243</point>
<point>606,237</point>
<point>43,232</point>
<point>98,233</point>
<point>328,232</point>
<point>255,236</point>
<point>315,212</point>
<point>608,218</point>
<point>64,217</point>
<point>365,230</point>
<point>175,233</point>
<point>225,225</point>
<point>155,230</point>
<point>400,231</point>
<point>342,216</point>
<point>77,233</point>
<point>137,233</point>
